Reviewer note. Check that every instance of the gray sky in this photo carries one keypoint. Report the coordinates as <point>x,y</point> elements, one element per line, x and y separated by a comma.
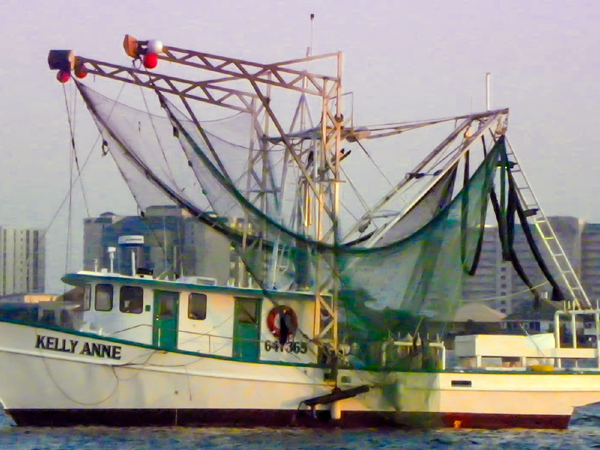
<point>404,60</point>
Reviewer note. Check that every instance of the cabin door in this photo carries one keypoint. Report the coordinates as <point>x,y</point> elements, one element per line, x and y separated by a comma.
<point>166,311</point>
<point>246,329</point>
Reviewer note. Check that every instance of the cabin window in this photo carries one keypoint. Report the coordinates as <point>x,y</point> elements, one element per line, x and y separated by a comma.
<point>167,306</point>
<point>131,300</point>
<point>197,306</point>
<point>48,317</point>
<point>248,310</point>
<point>87,297</point>
<point>104,297</point>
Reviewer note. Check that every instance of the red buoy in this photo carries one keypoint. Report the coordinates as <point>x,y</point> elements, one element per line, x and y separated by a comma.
<point>150,60</point>
<point>81,71</point>
<point>63,76</point>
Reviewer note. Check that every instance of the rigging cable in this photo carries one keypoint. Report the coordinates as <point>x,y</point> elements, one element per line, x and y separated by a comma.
<point>163,247</point>
<point>512,295</point>
<point>162,150</point>
<point>73,146</point>
<point>67,196</point>
<point>69,214</point>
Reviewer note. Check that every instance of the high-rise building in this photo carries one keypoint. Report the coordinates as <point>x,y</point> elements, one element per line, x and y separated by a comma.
<point>94,250</point>
<point>590,261</point>
<point>22,260</point>
<point>497,283</point>
<point>492,282</point>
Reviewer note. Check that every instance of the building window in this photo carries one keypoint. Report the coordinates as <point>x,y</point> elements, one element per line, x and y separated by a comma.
<point>87,297</point>
<point>131,299</point>
<point>104,297</point>
<point>197,306</point>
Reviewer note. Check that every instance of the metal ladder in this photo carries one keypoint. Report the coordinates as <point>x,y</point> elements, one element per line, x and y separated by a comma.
<point>533,210</point>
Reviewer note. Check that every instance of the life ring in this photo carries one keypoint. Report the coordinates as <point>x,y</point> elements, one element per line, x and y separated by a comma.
<point>275,325</point>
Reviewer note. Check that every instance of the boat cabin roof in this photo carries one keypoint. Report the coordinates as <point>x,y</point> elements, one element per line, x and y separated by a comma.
<point>84,277</point>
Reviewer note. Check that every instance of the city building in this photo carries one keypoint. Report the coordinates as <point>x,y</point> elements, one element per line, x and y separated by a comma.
<point>172,243</point>
<point>176,244</point>
<point>22,261</point>
<point>497,284</point>
<point>590,260</point>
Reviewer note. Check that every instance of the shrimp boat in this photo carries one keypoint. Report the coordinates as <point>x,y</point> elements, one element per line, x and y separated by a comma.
<point>329,315</point>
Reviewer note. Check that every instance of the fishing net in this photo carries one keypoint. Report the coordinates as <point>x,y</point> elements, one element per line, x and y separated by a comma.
<point>387,285</point>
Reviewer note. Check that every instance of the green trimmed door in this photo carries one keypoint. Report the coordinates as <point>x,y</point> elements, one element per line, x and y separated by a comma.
<point>166,311</point>
<point>246,329</point>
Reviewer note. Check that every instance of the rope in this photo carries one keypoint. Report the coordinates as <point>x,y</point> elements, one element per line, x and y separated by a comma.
<point>162,150</point>
<point>515,294</point>
<point>62,391</point>
<point>78,176</point>
<point>71,118</point>
<point>375,164</point>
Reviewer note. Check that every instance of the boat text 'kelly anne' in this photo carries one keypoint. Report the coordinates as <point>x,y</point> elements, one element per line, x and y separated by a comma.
<point>80,348</point>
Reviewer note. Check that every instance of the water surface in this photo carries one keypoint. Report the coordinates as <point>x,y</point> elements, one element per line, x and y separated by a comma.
<point>584,433</point>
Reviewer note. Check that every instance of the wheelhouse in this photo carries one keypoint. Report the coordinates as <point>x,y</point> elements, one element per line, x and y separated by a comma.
<point>222,321</point>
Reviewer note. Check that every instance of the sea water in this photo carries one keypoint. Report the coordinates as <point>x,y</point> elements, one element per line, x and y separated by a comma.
<point>584,433</point>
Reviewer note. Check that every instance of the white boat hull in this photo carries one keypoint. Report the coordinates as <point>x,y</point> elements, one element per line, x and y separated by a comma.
<point>54,378</point>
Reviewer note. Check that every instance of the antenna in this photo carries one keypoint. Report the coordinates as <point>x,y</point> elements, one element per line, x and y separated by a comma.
<point>310,49</point>
<point>487,91</point>
<point>111,254</point>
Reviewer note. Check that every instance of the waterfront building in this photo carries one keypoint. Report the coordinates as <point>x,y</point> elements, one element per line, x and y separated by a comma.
<point>175,244</point>
<point>497,284</point>
<point>590,260</point>
<point>172,244</point>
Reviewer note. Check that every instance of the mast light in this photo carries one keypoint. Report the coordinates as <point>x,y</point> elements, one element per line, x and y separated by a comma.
<point>146,50</point>
<point>63,60</point>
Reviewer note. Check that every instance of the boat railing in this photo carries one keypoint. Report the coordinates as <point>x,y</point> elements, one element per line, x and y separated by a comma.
<point>519,352</point>
<point>215,342</point>
<point>433,357</point>
<point>195,335</point>
<point>125,330</point>
<point>572,316</point>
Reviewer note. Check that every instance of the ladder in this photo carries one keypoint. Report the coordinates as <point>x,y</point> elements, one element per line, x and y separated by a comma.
<point>539,219</point>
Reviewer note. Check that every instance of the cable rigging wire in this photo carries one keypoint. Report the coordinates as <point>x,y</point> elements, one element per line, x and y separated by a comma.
<point>71,119</point>
<point>162,150</point>
<point>73,181</point>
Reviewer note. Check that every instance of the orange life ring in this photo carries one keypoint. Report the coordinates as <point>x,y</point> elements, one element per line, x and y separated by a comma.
<point>274,320</point>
